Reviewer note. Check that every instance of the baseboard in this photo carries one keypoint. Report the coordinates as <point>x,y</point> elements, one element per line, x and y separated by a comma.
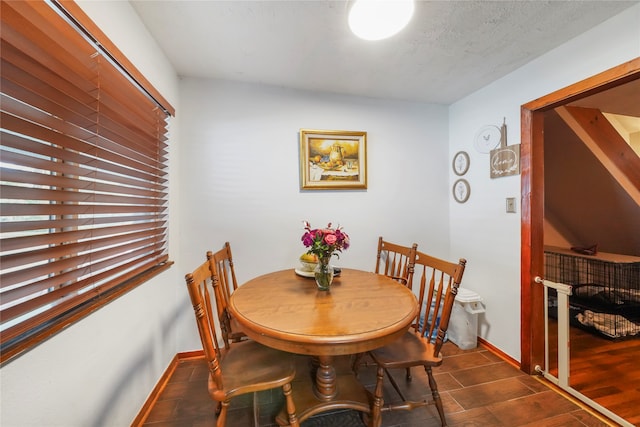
<point>161,385</point>
<point>186,355</point>
<point>501,354</point>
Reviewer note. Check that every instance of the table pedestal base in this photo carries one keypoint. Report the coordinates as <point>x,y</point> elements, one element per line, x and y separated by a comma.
<point>350,394</point>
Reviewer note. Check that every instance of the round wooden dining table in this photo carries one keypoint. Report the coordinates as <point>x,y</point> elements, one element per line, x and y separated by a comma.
<point>362,311</point>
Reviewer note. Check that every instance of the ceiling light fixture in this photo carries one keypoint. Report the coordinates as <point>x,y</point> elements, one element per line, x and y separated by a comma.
<point>379,19</point>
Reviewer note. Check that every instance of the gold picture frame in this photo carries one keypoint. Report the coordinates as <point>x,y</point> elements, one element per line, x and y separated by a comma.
<point>333,159</point>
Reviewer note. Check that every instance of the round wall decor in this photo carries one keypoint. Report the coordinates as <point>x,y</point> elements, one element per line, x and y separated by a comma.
<point>461,190</point>
<point>487,138</point>
<point>461,163</point>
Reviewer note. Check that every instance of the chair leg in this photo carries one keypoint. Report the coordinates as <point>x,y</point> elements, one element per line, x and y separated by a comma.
<point>356,363</point>
<point>222,417</point>
<point>395,384</point>
<point>256,409</point>
<point>376,409</point>
<point>224,328</point>
<point>291,408</point>
<point>436,396</point>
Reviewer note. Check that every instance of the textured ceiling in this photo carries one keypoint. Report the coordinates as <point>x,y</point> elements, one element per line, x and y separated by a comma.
<point>449,50</point>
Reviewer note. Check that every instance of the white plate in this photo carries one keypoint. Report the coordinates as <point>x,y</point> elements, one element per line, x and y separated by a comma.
<point>310,274</point>
<point>304,273</point>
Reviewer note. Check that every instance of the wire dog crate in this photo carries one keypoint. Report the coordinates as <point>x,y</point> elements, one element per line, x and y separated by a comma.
<point>606,290</point>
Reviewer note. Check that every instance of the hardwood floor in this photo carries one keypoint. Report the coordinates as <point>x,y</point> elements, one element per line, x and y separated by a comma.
<point>478,388</point>
<point>606,371</point>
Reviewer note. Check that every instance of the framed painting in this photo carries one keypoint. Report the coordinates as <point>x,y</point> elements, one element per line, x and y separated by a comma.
<point>333,159</point>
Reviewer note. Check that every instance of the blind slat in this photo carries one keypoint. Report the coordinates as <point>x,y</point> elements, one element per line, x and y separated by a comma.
<point>46,209</point>
<point>26,193</point>
<point>61,181</point>
<point>60,237</point>
<point>59,259</point>
<point>78,89</point>
<point>75,279</point>
<point>94,156</point>
<point>17,226</point>
<point>19,83</point>
<point>31,27</point>
<point>42,157</point>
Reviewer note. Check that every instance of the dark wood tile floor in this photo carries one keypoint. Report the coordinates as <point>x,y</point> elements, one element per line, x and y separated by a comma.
<point>477,387</point>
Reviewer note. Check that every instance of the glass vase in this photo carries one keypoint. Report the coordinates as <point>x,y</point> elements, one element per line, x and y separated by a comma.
<point>324,274</point>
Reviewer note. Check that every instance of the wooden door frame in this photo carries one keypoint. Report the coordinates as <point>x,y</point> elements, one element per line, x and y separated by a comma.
<point>532,201</point>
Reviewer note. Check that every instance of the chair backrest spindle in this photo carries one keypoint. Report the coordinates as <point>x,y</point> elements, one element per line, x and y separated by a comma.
<point>395,261</point>
<point>439,283</point>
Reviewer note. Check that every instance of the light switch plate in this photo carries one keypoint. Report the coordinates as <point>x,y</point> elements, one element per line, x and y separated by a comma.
<point>511,205</point>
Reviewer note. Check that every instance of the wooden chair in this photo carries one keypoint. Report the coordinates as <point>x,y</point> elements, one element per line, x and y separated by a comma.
<point>244,367</point>
<point>395,261</point>
<point>226,284</point>
<point>420,346</point>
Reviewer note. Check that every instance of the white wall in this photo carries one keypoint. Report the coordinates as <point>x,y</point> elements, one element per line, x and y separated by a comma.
<point>240,146</point>
<point>99,371</point>
<point>481,231</point>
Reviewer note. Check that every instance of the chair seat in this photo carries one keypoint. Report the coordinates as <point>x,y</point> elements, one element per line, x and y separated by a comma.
<point>409,350</point>
<point>248,366</point>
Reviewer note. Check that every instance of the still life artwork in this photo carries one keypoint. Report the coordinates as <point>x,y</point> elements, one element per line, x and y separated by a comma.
<point>333,159</point>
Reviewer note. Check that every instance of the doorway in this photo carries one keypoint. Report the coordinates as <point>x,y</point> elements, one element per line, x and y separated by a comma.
<point>532,200</point>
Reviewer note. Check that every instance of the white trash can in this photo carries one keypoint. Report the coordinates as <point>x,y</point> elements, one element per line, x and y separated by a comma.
<point>463,324</point>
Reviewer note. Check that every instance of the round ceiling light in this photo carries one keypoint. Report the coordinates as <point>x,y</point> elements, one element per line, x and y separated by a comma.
<point>379,19</point>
